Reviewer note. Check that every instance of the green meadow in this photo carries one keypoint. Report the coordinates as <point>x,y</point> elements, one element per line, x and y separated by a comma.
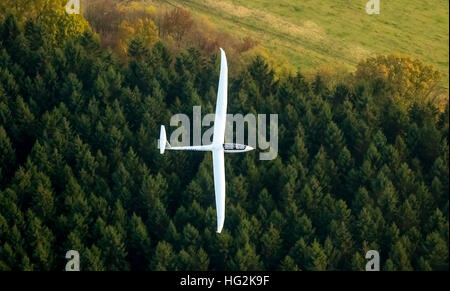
<point>312,34</point>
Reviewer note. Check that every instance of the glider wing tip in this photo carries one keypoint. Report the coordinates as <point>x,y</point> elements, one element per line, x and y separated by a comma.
<point>219,228</point>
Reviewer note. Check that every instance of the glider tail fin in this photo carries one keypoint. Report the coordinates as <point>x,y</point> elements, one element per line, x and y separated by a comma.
<point>163,144</point>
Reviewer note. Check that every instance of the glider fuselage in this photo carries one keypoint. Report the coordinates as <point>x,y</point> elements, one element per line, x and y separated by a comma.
<point>236,148</point>
<point>226,147</point>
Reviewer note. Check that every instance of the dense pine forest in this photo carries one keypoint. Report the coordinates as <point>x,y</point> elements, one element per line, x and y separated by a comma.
<point>362,164</point>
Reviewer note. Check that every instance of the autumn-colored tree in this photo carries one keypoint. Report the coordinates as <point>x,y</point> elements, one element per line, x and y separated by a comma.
<point>410,80</point>
<point>176,23</point>
<point>144,29</point>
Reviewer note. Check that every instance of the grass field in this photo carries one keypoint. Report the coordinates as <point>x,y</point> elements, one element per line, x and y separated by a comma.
<point>314,33</point>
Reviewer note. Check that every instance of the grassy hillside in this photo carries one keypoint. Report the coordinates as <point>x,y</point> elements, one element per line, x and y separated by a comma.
<point>312,33</point>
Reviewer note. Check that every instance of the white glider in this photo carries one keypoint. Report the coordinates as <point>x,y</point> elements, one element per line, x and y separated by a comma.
<point>218,147</point>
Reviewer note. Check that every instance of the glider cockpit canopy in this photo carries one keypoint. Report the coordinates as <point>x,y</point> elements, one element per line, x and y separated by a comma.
<point>233,146</point>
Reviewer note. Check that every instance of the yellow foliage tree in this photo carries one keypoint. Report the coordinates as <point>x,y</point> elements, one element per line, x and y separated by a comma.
<point>145,29</point>
<point>51,14</point>
<point>280,65</point>
<point>408,79</point>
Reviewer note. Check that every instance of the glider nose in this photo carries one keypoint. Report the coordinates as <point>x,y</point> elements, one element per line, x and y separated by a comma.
<point>249,148</point>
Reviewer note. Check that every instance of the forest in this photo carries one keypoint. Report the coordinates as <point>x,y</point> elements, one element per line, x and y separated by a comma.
<point>363,162</point>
